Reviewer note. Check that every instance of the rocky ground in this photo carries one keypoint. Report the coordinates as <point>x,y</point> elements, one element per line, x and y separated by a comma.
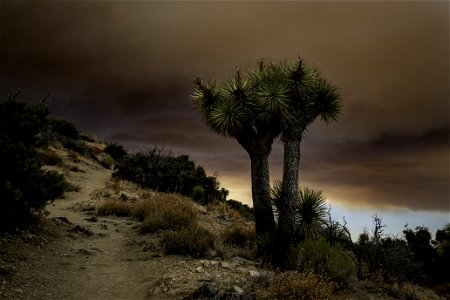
<point>76,254</point>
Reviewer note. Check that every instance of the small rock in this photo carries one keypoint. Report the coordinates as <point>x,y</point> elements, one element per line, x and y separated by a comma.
<point>92,219</point>
<point>199,269</point>
<point>211,289</point>
<point>84,252</point>
<point>254,274</point>
<point>225,265</point>
<point>85,230</point>
<point>238,260</point>
<point>214,262</point>
<point>19,291</point>
<point>238,290</point>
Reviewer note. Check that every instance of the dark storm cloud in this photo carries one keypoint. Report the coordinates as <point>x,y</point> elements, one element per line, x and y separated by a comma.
<point>123,71</point>
<point>389,171</point>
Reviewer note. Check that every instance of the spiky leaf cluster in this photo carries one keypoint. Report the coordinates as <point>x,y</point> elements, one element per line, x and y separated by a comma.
<point>285,97</point>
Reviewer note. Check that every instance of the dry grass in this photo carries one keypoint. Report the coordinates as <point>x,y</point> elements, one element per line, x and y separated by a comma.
<point>410,291</point>
<point>192,240</point>
<point>223,211</point>
<point>238,239</point>
<point>50,157</point>
<point>115,207</point>
<point>294,285</point>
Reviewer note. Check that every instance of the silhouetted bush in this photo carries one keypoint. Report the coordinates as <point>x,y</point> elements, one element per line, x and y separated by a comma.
<point>61,127</point>
<point>198,194</point>
<point>245,211</point>
<point>389,258</point>
<point>24,187</point>
<point>78,146</point>
<point>116,151</point>
<point>167,173</point>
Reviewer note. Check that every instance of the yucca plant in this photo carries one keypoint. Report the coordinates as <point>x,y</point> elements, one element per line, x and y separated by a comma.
<point>310,211</point>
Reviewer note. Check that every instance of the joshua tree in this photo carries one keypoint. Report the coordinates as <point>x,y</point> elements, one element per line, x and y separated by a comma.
<point>232,110</point>
<point>307,96</point>
<point>272,100</point>
<point>311,97</point>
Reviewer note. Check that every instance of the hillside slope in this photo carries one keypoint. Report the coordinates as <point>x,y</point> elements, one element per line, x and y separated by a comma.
<point>76,254</point>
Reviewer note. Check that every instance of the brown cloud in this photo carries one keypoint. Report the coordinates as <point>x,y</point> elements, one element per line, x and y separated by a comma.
<point>123,71</point>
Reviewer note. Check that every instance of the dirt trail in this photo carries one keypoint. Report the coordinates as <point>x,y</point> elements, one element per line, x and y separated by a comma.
<point>91,257</point>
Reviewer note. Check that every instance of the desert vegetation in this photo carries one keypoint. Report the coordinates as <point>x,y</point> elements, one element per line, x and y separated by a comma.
<point>187,212</point>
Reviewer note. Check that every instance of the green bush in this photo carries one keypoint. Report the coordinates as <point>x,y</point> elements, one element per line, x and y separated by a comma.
<point>198,194</point>
<point>319,257</point>
<point>24,187</point>
<point>192,240</point>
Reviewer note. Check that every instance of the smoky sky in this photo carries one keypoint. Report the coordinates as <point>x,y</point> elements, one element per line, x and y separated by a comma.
<point>123,71</point>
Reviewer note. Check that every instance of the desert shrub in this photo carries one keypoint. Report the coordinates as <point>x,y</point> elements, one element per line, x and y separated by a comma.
<point>167,173</point>
<point>107,162</point>
<point>116,151</point>
<point>409,291</point>
<point>61,127</point>
<point>295,285</point>
<point>265,247</point>
<point>72,187</point>
<point>161,203</point>
<point>94,150</point>
<point>319,257</point>
<point>49,157</point>
<point>115,207</point>
<point>192,240</point>
<point>24,187</point>
<point>385,258</point>
<point>78,146</point>
<point>245,211</point>
<point>198,194</point>
<point>223,211</point>
<point>168,219</point>
<point>87,137</point>
<point>239,234</point>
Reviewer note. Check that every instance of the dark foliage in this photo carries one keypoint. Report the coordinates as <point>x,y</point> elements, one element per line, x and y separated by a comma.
<point>416,257</point>
<point>63,128</point>
<point>116,151</point>
<point>167,173</point>
<point>243,209</point>
<point>24,187</point>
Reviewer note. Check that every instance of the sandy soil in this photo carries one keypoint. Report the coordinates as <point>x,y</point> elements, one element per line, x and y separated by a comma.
<point>77,255</point>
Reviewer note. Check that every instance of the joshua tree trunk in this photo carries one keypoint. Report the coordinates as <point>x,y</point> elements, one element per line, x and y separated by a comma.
<point>264,219</point>
<point>289,191</point>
